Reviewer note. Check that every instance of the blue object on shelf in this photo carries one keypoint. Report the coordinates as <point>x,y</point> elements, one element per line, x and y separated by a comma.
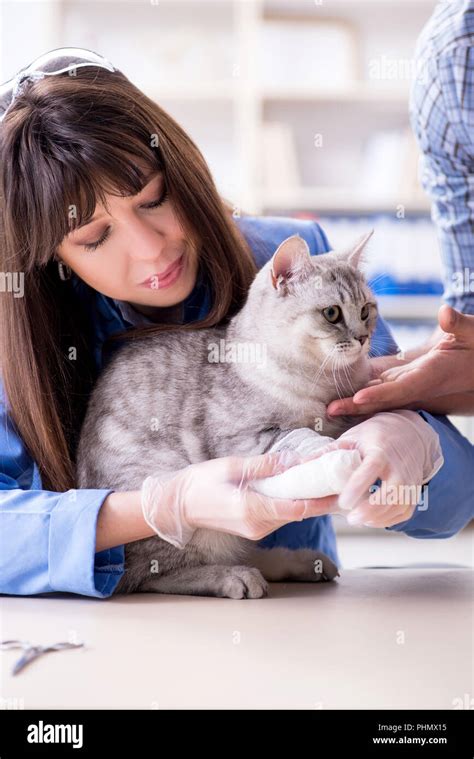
<point>385,284</point>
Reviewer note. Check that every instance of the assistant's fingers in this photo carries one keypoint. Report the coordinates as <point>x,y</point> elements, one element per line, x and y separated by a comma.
<point>458,324</point>
<point>242,469</point>
<point>382,363</point>
<point>316,507</point>
<point>345,407</point>
<point>357,487</point>
<point>405,389</point>
<point>385,517</point>
<point>399,516</point>
<point>268,510</point>
<point>341,406</point>
<point>370,514</point>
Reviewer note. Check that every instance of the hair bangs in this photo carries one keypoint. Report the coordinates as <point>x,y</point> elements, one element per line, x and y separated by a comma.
<point>80,190</point>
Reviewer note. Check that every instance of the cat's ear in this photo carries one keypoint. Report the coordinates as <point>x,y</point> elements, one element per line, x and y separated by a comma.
<point>291,260</point>
<point>355,255</point>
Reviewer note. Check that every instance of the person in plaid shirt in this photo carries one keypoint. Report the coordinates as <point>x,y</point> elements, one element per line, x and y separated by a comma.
<point>439,374</point>
<point>442,118</point>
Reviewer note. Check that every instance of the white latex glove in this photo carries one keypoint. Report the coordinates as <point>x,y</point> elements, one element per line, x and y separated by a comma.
<point>397,447</point>
<point>217,495</point>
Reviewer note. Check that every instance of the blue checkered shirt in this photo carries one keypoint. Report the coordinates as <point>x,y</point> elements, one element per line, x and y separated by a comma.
<point>442,118</point>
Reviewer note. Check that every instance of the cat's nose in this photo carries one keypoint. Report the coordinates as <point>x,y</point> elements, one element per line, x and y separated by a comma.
<point>362,339</point>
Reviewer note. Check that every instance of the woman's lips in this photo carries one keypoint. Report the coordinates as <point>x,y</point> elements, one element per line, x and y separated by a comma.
<point>166,278</point>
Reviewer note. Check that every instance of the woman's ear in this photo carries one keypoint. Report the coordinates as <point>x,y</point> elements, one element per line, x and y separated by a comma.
<point>355,255</point>
<point>291,260</point>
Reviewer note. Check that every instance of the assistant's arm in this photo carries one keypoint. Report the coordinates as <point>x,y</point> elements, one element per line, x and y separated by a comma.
<point>448,503</point>
<point>442,118</point>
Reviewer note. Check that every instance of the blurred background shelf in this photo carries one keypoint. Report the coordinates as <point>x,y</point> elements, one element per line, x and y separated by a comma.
<point>339,69</point>
<point>418,307</point>
<point>337,199</point>
<point>356,92</point>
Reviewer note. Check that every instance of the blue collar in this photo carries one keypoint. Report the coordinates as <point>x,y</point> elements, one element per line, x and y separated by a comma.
<point>193,308</point>
<point>120,314</point>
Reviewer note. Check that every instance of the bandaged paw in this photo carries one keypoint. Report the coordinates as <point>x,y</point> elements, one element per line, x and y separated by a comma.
<point>320,477</point>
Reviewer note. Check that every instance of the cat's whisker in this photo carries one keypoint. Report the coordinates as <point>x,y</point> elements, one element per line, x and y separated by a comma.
<point>379,350</point>
<point>376,353</point>
<point>338,389</point>
<point>389,290</point>
<point>373,282</point>
<point>345,369</point>
<point>381,342</point>
<point>348,378</point>
<point>341,384</point>
<point>321,368</point>
<point>377,278</point>
<point>398,288</point>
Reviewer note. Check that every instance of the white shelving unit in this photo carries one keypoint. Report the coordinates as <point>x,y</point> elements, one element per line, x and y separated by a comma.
<point>212,49</point>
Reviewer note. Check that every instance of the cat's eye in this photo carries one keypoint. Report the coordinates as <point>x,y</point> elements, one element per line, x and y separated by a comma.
<point>364,312</point>
<point>332,314</point>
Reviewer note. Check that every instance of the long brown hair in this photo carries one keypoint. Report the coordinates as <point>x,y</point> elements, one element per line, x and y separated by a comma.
<point>66,142</point>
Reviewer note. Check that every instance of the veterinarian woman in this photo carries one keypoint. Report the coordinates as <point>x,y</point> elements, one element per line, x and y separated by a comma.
<point>81,229</point>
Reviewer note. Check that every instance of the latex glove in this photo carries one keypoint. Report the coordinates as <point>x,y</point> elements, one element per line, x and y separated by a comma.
<point>400,449</point>
<point>217,495</point>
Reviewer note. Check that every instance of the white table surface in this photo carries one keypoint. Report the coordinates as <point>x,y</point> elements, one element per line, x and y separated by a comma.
<point>374,638</point>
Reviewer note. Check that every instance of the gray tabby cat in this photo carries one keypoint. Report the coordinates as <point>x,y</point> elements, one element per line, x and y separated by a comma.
<point>164,402</point>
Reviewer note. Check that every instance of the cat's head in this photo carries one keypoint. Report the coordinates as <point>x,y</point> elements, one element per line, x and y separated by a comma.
<point>320,304</point>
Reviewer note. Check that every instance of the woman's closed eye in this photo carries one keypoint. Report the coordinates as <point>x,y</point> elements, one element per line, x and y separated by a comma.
<point>105,236</point>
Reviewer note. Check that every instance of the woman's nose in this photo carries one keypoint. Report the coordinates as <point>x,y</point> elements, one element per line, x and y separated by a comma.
<point>144,243</point>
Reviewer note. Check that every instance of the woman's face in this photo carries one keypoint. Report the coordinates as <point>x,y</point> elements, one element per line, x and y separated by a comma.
<point>137,252</point>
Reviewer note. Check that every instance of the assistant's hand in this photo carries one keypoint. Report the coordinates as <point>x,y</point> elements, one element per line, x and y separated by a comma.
<point>441,380</point>
<point>400,449</point>
<point>217,495</point>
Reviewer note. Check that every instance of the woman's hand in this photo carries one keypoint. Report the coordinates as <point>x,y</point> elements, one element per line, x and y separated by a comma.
<point>400,449</point>
<point>217,495</point>
<point>441,380</point>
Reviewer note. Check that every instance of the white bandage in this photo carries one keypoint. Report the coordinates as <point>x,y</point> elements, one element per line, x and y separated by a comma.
<point>324,476</point>
<point>303,440</point>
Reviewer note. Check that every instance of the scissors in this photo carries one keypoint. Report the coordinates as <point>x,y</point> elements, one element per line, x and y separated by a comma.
<point>32,652</point>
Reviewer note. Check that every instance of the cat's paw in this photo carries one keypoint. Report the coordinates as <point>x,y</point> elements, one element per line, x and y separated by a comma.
<point>312,566</point>
<point>243,582</point>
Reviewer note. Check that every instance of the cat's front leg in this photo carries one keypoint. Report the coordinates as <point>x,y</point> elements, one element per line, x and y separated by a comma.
<point>213,580</point>
<point>303,440</point>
